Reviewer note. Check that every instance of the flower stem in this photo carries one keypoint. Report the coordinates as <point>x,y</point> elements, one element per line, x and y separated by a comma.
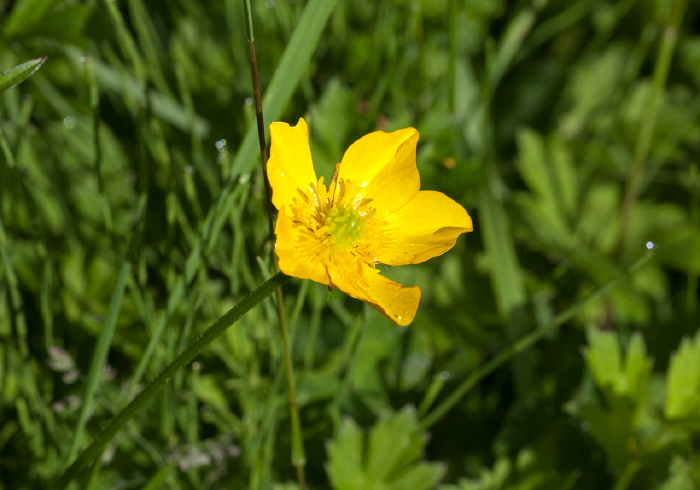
<point>298,455</point>
<point>151,389</point>
<point>646,132</point>
<point>259,113</point>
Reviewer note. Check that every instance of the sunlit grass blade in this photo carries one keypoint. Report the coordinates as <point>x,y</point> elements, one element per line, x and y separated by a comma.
<point>20,73</point>
<point>290,69</point>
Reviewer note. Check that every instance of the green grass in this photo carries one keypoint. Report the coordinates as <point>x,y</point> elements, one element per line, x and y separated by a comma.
<point>548,350</point>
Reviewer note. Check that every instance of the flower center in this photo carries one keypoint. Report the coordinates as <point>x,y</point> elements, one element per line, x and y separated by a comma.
<point>337,222</point>
<point>345,226</point>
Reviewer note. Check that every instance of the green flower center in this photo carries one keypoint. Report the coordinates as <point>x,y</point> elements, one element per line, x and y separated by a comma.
<point>345,226</point>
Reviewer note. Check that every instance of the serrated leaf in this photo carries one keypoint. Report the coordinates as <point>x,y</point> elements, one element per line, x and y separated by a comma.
<point>593,84</point>
<point>624,386</point>
<point>603,357</point>
<point>426,475</point>
<point>386,458</point>
<point>547,169</point>
<point>637,369</point>
<point>490,478</point>
<point>20,73</point>
<point>683,395</point>
<point>612,427</point>
<point>345,457</point>
<point>394,442</point>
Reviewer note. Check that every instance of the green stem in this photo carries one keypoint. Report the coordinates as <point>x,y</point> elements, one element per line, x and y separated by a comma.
<point>523,344</point>
<point>646,132</point>
<point>151,389</point>
<point>259,112</point>
<point>298,454</point>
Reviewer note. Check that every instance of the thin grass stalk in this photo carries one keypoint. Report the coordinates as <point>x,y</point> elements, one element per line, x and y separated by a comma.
<point>646,132</point>
<point>298,453</point>
<point>525,343</point>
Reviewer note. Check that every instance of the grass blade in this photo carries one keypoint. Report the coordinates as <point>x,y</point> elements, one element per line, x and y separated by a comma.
<point>20,73</point>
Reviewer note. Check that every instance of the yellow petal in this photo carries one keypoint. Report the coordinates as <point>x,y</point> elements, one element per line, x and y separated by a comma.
<point>299,256</point>
<point>384,165</point>
<point>396,302</point>
<point>426,227</point>
<point>290,166</point>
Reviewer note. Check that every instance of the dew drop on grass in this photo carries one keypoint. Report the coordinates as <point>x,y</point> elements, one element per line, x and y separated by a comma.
<point>69,122</point>
<point>650,245</point>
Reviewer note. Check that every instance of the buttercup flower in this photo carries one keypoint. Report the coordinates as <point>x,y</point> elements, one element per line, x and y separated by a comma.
<point>371,213</point>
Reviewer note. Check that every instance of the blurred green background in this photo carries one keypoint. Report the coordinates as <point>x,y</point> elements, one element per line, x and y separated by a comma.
<point>132,216</point>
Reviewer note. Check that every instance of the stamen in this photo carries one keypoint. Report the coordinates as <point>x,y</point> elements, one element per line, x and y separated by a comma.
<point>337,219</point>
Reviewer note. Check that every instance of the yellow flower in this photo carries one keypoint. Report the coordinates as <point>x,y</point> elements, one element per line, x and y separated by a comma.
<point>371,213</point>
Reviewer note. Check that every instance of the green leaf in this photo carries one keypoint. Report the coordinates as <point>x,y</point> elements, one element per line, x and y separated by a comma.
<point>623,383</point>
<point>489,478</point>
<point>20,73</point>
<point>683,395</point>
<point>345,454</point>
<point>548,171</point>
<point>604,358</point>
<point>393,443</point>
<point>680,475</point>
<point>387,458</point>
